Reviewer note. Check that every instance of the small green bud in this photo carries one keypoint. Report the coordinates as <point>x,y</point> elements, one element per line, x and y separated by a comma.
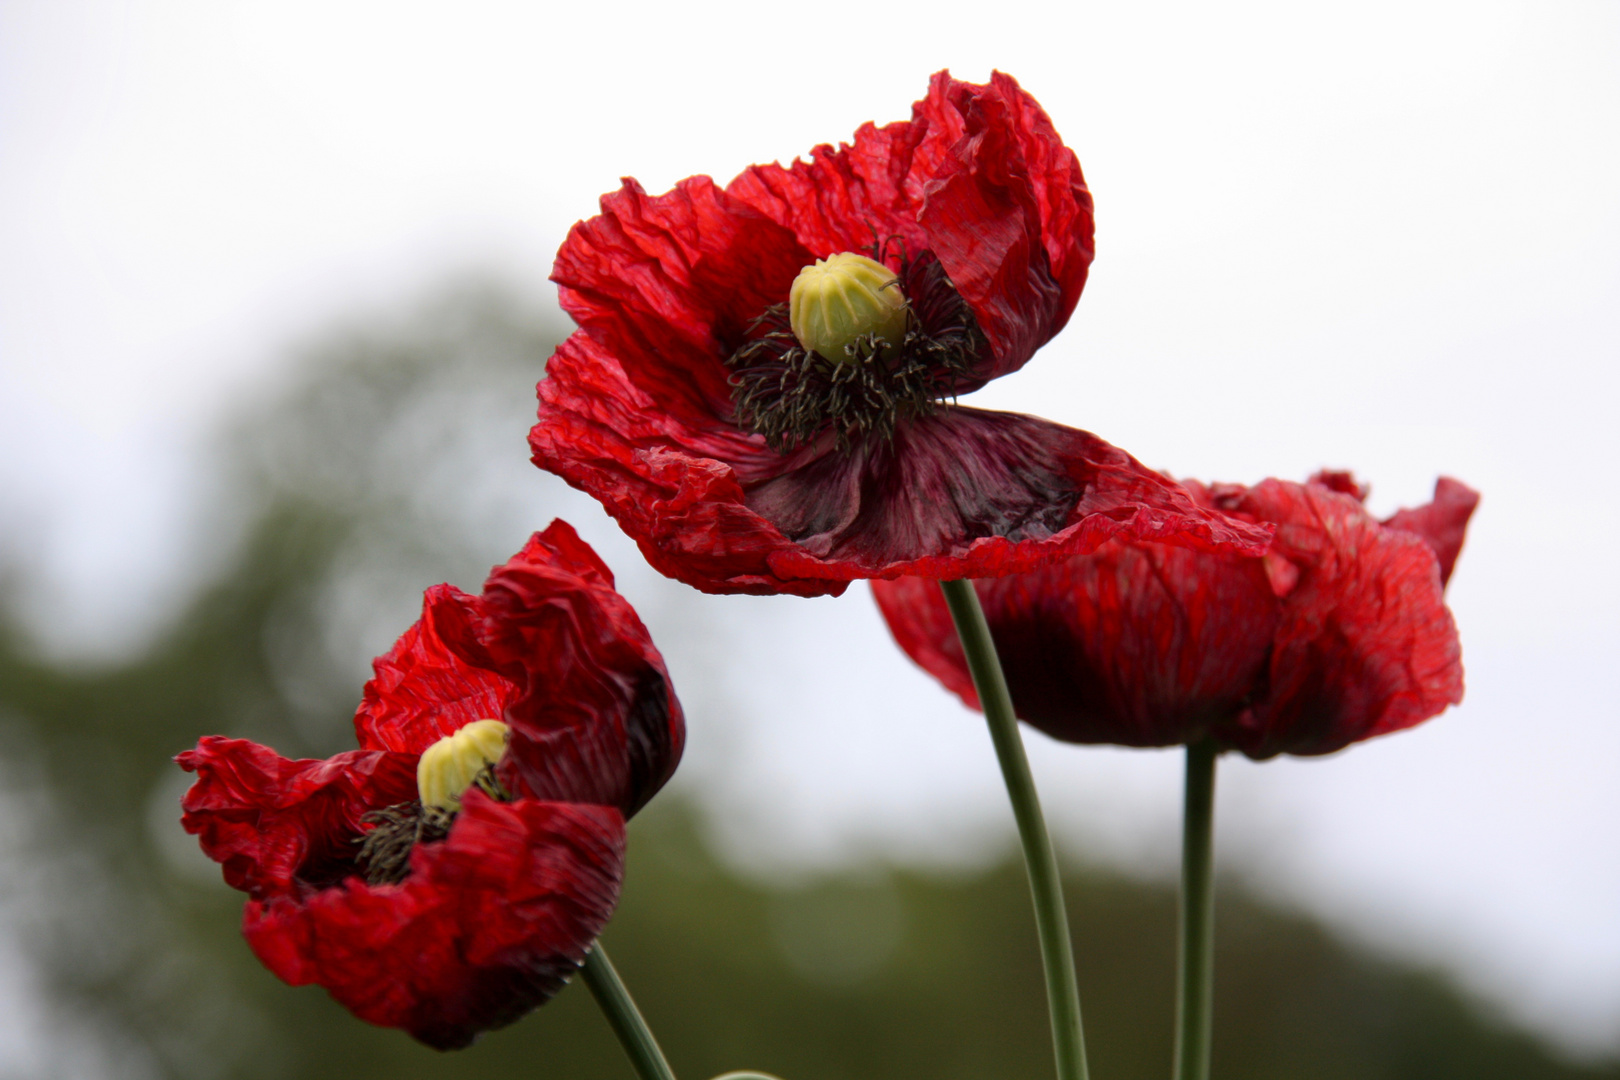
<point>448,768</point>
<point>843,298</point>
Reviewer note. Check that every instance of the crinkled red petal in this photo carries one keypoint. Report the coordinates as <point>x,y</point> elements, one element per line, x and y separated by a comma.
<point>490,923</point>
<point>636,409</point>
<point>671,486</point>
<point>281,827</point>
<point>1338,634</point>
<point>555,652</point>
<point>979,176</point>
<point>1138,644</point>
<point>670,283</point>
<point>594,718</point>
<point>1343,481</point>
<point>961,493</point>
<point>437,678</point>
<point>1442,522</point>
<point>969,493</point>
<point>1366,644</point>
<point>491,920</point>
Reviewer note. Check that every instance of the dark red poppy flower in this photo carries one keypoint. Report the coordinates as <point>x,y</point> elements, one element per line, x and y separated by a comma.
<point>1338,634</point>
<point>452,912</point>
<point>745,454</point>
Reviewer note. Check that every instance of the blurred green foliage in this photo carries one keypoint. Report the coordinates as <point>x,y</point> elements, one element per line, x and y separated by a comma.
<point>392,465</point>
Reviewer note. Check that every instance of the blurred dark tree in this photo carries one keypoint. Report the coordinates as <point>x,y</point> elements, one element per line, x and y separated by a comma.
<point>398,461</point>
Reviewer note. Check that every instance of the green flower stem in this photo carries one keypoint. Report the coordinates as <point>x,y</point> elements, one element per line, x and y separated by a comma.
<point>1051,919</point>
<point>1195,954</point>
<point>623,1016</point>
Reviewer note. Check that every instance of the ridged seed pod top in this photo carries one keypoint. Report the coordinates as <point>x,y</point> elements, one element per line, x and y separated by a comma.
<point>448,768</point>
<point>841,299</point>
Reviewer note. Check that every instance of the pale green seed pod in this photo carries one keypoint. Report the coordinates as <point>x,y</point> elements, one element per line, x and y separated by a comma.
<point>843,298</point>
<point>448,768</point>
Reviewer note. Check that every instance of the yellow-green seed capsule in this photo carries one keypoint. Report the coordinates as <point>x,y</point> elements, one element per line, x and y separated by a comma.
<point>448,768</point>
<point>843,298</point>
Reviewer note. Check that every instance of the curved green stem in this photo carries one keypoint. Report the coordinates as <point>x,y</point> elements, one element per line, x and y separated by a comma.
<point>1046,888</point>
<point>623,1016</point>
<point>1195,954</point>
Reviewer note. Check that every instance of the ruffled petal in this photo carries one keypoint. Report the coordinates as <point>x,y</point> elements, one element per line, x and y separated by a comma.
<point>491,920</point>
<point>1442,522</point>
<point>437,679</point>
<point>1138,644</point>
<point>635,408</point>
<point>594,718</point>
<point>848,197</point>
<point>980,177</point>
<point>550,648</point>
<point>1366,644</point>
<point>673,488</point>
<point>1337,634</point>
<point>490,923</point>
<point>961,493</point>
<point>671,283</point>
<point>1343,481</point>
<point>1012,224</point>
<point>971,493</point>
<point>280,827</point>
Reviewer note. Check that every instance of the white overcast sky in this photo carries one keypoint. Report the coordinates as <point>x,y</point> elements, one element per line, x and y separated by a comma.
<point>1382,236</point>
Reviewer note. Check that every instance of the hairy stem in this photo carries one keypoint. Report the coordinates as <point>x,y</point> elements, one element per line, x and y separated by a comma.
<point>623,1016</point>
<point>1046,888</point>
<point>1195,953</point>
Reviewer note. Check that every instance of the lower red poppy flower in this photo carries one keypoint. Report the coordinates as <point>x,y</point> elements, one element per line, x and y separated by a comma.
<point>750,444</point>
<point>1338,634</point>
<point>450,874</point>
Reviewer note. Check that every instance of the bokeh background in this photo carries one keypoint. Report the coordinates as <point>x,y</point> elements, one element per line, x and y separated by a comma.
<point>272,304</point>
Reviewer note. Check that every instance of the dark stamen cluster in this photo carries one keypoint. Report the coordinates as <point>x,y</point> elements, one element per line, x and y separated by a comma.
<point>791,395</point>
<point>385,851</point>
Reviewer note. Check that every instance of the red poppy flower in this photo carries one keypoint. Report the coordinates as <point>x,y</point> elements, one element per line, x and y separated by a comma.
<point>743,456</point>
<point>453,918</point>
<point>1338,634</point>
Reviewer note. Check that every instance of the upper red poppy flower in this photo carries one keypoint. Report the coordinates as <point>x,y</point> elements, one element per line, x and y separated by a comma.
<point>1338,634</point>
<point>750,445</point>
<point>450,874</point>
